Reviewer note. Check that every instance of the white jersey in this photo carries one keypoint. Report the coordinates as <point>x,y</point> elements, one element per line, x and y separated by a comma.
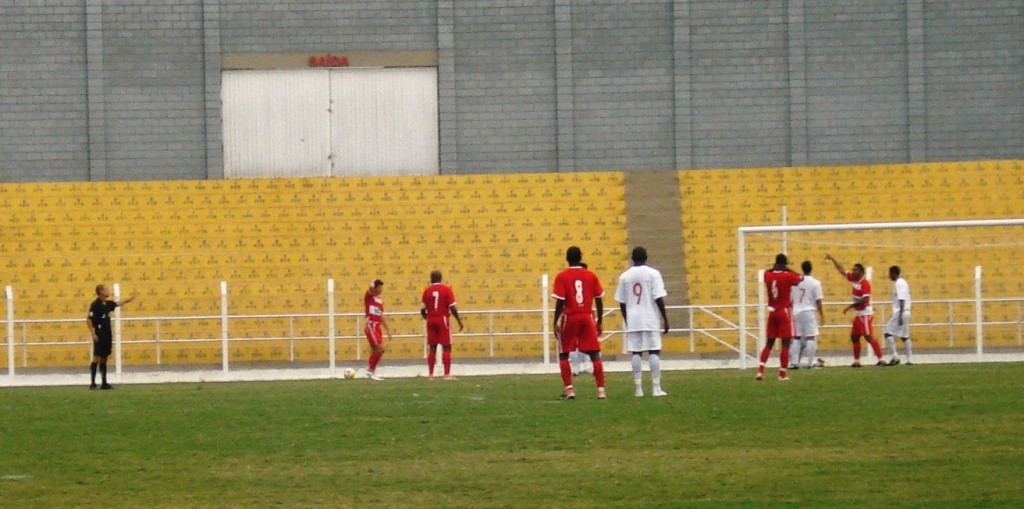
<point>639,287</point>
<point>900,291</point>
<point>806,295</point>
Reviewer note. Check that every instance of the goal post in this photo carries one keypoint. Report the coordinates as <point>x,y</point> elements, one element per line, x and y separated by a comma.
<point>743,233</point>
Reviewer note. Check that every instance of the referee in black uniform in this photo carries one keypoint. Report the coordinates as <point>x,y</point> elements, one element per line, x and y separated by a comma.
<point>102,335</point>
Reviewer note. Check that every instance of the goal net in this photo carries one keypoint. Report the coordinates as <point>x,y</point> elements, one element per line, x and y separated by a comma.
<point>966,280</point>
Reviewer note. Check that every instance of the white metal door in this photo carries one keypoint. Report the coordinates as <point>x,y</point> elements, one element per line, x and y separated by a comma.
<point>276,123</point>
<point>384,121</point>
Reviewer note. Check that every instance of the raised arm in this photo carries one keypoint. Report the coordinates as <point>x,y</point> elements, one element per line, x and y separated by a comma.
<point>125,301</point>
<point>840,268</point>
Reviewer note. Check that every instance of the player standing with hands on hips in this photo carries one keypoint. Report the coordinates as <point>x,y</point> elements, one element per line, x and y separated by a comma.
<point>575,290</point>
<point>438,302</point>
<point>641,296</point>
<point>864,322</point>
<point>102,335</point>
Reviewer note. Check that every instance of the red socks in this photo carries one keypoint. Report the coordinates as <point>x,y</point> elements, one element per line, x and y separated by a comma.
<point>856,351</point>
<point>374,359</point>
<point>431,359</point>
<point>446,358</point>
<point>566,371</point>
<point>599,372</point>
<point>876,348</point>
<point>785,358</point>
<point>765,352</point>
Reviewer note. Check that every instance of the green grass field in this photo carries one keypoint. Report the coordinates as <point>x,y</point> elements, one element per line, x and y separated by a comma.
<point>919,436</point>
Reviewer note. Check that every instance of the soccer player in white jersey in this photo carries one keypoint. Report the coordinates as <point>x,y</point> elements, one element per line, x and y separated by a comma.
<point>641,296</point>
<point>899,322</point>
<point>806,310</point>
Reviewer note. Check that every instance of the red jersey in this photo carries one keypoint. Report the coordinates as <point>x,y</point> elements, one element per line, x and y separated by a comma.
<point>861,290</point>
<point>374,308</point>
<point>438,299</point>
<point>577,288</point>
<point>779,284</point>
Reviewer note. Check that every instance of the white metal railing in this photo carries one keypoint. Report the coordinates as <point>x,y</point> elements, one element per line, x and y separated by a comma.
<point>715,326</point>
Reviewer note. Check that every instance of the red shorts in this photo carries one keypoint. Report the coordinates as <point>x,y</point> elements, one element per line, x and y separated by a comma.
<point>579,332</point>
<point>439,331</point>
<point>780,324</point>
<point>373,334</point>
<point>863,326</point>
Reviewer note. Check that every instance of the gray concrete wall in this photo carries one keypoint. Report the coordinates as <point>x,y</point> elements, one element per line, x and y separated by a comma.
<point>973,60</point>
<point>118,89</point>
<point>503,97</point>
<point>43,97</point>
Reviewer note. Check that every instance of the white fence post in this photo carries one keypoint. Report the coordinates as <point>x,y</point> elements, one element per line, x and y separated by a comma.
<point>159,356</point>
<point>693,342</point>
<point>423,331</point>
<point>762,304</point>
<point>785,235</point>
<point>490,334</point>
<point>1020,321</point>
<point>117,332</point>
<point>291,339</point>
<point>359,342</point>
<point>741,289</point>
<point>546,327</point>
<point>224,325</point>
<point>978,328</point>
<point>330,323</point>
<point>10,330</point>
<point>951,318</point>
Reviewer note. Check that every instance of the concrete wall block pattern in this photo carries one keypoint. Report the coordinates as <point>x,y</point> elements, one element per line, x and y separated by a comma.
<point>119,89</point>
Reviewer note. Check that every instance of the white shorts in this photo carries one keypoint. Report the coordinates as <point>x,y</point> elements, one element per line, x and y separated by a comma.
<point>643,341</point>
<point>893,328</point>
<point>806,323</point>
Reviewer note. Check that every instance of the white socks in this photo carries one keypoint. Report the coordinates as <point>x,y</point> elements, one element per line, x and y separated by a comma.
<point>812,350</point>
<point>891,341</point>
<point>637,367</point>
<point>794,352</point>
<point>654,360</point>
<point>909,347</point>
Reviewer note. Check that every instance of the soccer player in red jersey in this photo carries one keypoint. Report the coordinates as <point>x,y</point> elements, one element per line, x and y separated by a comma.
<point>863,322</point>
<point>575,290</point>
<point>438,303</point>
<point>374,308</point>
<point>779,283</point>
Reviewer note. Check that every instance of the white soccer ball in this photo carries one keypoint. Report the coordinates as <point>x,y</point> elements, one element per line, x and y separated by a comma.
<point>349,373</point>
